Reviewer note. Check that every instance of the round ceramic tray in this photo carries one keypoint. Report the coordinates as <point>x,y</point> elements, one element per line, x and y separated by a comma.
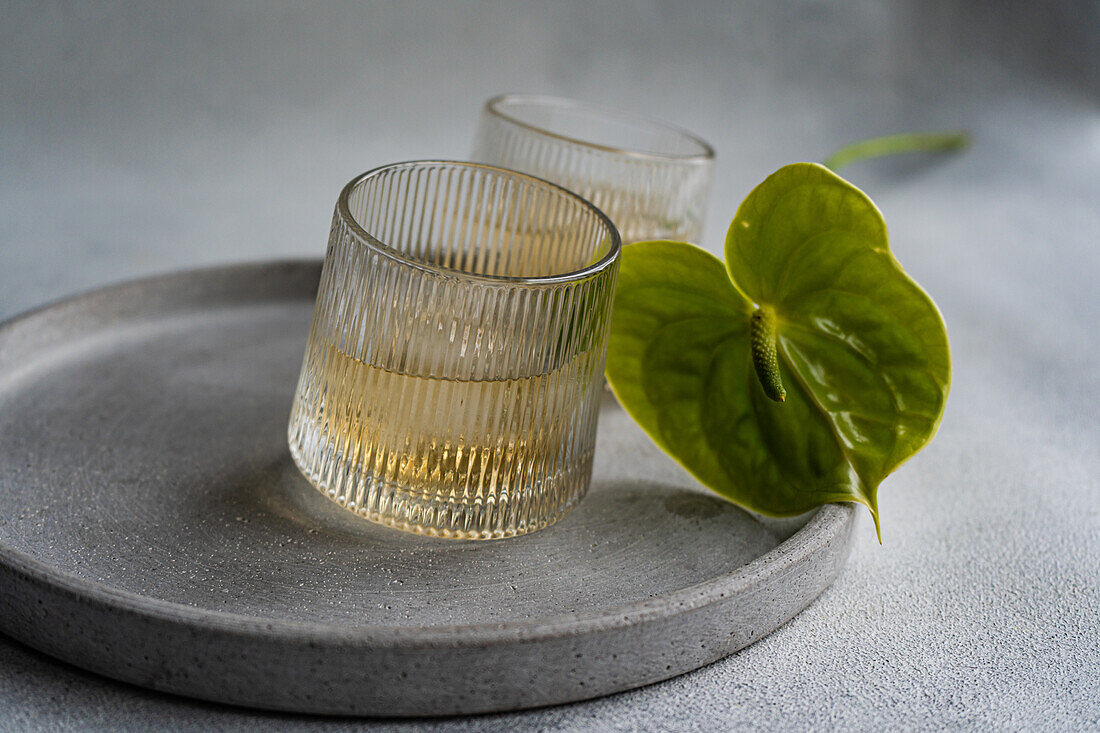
<point>154,529</point>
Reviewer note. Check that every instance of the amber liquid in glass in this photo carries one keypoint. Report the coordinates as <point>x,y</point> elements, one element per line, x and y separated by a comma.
<point>450,445</point>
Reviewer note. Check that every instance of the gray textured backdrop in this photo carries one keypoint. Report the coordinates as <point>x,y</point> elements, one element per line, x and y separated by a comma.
<point>141,139</point>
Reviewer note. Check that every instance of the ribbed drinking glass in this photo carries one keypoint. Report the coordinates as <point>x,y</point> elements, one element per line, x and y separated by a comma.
<point>451,381</point>
<point>652,179</point>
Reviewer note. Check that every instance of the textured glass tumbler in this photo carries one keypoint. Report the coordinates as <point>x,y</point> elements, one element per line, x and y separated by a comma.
<point>653,180</point>
<point>451,382</point>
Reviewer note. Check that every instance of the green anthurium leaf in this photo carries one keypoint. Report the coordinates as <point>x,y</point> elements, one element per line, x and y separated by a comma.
<point>802,371</point>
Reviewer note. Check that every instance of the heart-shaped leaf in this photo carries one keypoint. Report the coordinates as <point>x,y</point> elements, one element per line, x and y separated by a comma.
<point>810,307</point>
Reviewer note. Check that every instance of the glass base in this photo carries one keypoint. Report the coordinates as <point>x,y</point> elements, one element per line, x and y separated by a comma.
<point>436,514</point>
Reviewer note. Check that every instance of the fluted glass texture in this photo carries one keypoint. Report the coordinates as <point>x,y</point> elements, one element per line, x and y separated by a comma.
<point>451,381</point>
<point>651,179</point>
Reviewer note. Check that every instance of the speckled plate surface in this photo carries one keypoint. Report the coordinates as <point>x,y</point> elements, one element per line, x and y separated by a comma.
<point>154,529</point>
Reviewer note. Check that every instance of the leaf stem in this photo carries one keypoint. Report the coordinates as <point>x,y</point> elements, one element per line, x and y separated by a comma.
<point>915,142</point>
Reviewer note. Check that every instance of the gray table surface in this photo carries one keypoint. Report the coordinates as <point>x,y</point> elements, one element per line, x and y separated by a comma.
<point>138,140</point>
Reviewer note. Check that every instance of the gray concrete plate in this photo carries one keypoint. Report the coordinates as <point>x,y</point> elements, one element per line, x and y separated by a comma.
<point>154,529</point>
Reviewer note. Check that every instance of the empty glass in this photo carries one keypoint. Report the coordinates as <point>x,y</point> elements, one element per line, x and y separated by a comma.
<point>653,180</point>
<point>451,381</point>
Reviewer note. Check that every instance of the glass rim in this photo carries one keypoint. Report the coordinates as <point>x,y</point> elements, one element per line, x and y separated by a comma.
<point>494,106</point>
<point>397,255</point>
